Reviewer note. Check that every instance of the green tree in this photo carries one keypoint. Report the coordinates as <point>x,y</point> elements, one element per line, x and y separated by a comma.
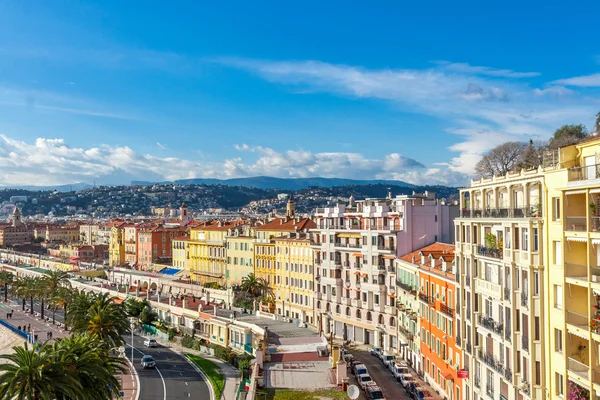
<point>566,135</point>
<point>147,316</point>
<point>61,298</point>
<point>98,316</point>
<point>134,307</point>
<point>597,125</point>
<point>6,279</point>
<point>500,160</point>
<point>33,375</point>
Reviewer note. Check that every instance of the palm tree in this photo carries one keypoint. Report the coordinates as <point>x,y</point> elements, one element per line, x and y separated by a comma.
<point>6,278</point>
<point>251,284</point>
<point>24,287</point>
<point>61,298</point>
<point>32,375</point>
<point>99,316</point>
<point>49,285</point>
<point>85,358</point>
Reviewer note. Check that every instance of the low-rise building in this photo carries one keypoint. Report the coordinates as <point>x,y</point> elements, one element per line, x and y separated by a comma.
<point>16,232</point>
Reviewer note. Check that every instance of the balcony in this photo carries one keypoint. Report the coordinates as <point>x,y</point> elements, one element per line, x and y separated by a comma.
<point>348,245</point>
<point>447,310</point>
<point>357,265</point>
<point>491,361</point>
<point>526,388</point>
<point>384,247</point>
<point>490,252</point>
<point>489,390</point>
<point>524,300</point>
<point>578,368</point>
<point>347,283</point>
<point>577,320</point>
<point>584,173</point>
<point>468,347</point>
<point>525,342</point>
<point>491,325</point>
<point>519,212</point>
<point>488,288</point>
<point>407,287</point>
<point>508,374</point>
<point>506,293</point>
<point>458,341</point>
<point>576,224</point>
<point>406,333</point>
<point>477,383</point>
<point>426,299</point>
<point>507,333</point>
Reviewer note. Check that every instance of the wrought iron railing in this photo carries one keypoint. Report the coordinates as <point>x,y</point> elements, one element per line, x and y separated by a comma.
<point>525,343</point>
<point>490,324</point>
<point>489,252</point>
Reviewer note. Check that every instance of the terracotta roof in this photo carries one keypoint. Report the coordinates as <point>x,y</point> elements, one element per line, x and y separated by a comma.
<point>218,225</point>
<point>287,225</point>
<point>437,248</point>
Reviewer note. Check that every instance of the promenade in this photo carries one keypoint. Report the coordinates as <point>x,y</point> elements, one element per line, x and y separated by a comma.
<point>40,328</point>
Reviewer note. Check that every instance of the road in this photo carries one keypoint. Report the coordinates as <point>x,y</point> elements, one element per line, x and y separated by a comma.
<point>173,377</point>
<point>385,380</point>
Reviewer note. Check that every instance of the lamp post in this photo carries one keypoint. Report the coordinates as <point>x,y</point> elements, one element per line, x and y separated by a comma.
<point>131,324</point>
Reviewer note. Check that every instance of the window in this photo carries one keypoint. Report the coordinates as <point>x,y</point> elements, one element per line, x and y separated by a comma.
<point>560,390</point>
<point>535,239</point>
<point>558,346</point>
<point>557,247</point>
<point>556,208</point>
<point>558,297</point>
<point>525,233</point>
<point>536,283</point>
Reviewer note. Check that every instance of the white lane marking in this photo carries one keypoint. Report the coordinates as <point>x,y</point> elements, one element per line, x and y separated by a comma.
<point>186,384</point>
<point>181,373</point>
<point>157,370</point>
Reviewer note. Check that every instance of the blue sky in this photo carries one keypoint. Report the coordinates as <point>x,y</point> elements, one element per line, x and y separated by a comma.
<point>119,90</point>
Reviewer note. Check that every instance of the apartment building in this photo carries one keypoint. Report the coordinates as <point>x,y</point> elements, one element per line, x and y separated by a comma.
<point>355,245</point>
<point>57,233</point>
<point>499,254</point>
<point>440,356</point>
<point>181,253</point>
<point>573,286</point>
<point>294,284</point>
<point>16,232</point>
<point>131,242</point>
<point>208,258</point>
<point>407,302</point>
<point>240,256</point>
<point>116,247</point>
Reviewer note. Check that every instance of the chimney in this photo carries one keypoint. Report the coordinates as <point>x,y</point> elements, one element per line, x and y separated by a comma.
<point>422,259</point>
<point>444,264</point>
<point>432,261</point>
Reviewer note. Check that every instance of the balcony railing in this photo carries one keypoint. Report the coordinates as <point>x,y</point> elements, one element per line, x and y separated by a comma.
<point>490,324</point>
<point>357,265</point>
<point>468,347</point>
<point>584,173</point>
<point>524,342</point>
<point>489,390</point>
<point>426,299</point>
<point>526,387</point>
<point>406,286</point>
<point>506,293</point>
<point>447,310</point>
<point>518,212</point>
<point>477,383</point>
<point>458,341</point>
<point>524,300</point>
<point>348,245</point>
<point>508,374</point>
<point>489,252</point>
<point>578,368</point>
<point>507,333</point>
<point>491,361</point>
<point>576,224</point>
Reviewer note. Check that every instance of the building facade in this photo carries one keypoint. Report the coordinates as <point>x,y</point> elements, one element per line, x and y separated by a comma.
<point>181,253</point>
<point>240,256</point>
<point>499,256</point>
<point>294,283</point>
<point>16,232</point>
<point>116,247</point>
<point>573,258</point>
<point>154,244</point>
<point>407,302</point>
<point>355,246</point>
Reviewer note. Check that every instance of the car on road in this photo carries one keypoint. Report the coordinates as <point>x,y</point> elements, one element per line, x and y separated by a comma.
<point>360,369</point>
<point>374,393</point>
<point>387,359</point>
<point>400,371</point>
<point>376,351</point>
<point>406,383</point>
<point>150,343</point>
<point>365,380</point>
<point>148,362</point>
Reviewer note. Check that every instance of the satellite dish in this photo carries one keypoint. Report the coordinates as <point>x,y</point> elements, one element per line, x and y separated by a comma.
<point>353,392</point>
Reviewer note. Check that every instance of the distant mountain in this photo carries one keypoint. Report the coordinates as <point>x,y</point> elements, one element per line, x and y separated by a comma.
<point>61,188</point>
<point>267,182</point>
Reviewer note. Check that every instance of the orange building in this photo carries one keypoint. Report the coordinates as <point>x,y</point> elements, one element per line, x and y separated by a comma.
<point>441,358</point>
<point>154,244</point>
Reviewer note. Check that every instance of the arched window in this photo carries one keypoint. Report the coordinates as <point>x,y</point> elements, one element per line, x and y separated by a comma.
<point>348,311</point>
<point>319,305</point>
<point>358,314</point>
<point>392,322</point>
<point>369,318</point>
<point>328,307</point>
<point>380,319</point>
<point>338,309</point>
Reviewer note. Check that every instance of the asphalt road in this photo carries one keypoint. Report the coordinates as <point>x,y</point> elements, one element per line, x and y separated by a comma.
<point>392,390</point>
<point>173,377</point>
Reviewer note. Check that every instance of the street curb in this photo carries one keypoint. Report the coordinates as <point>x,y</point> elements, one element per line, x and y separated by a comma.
<point>137,379</point>
<point>198,370</point>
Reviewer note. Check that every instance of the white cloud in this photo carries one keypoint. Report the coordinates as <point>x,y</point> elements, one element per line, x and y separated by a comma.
<point>479,70</point>
<point>592,80</point>
<point>52,162</point>
<point>161,146</point>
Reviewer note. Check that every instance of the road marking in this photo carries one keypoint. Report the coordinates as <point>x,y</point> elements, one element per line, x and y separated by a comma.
<point>181,373</point>
<point>186,384</point>
<point>157,370</point>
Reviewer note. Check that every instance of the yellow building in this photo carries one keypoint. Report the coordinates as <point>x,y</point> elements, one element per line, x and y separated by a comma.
<point>264,244</point>
<point>573,260</point>
<point>294,285</point>
<point>56,233</point>
<point>208,258</point>
<point>240,256</point>
<point>116,246</point>
<point>181,253</point>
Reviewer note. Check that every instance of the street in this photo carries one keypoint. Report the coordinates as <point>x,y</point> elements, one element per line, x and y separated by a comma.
<point>392,390</point>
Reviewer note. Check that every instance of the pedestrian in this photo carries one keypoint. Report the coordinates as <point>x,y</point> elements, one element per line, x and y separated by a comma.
<point>19,327</point>
<point>50,334</point>
<point>28,327</point>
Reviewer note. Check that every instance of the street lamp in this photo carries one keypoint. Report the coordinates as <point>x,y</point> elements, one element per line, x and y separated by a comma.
<point>132,325</point>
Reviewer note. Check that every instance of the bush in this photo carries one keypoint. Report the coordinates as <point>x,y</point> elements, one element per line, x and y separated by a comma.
<point>172,333</point>
<point>188,341</point>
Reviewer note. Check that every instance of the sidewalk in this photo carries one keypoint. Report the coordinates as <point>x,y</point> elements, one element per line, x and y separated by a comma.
<point>232,375</point>
<point>40,327</point>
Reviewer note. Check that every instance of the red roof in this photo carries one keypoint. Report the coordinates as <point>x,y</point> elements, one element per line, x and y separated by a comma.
<point>287,225</point>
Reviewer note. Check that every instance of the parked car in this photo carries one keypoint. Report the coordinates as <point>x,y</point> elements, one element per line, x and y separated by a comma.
<point>374,393</point>
<point>376,351</point>
<point>150,343</point>
<point>400,371</point>
<point>347,356</point>
<point>406,382</point>
<point>148,362</point>
<point>387,359</point>
<point>365,380</point>
<point>360,369</point>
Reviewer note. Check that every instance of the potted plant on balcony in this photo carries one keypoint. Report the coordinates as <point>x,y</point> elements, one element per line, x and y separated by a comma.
<point>595,326</point>
<point>577,392</point>
<point>490,241</point>
<point>536,210</point>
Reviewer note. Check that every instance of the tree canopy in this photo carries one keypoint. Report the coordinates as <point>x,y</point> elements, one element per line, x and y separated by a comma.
<point>566,135</point>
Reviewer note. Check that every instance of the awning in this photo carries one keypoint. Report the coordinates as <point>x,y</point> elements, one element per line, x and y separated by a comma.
<point>393,296</point>
<point>389,257</point>
<point>448,376</point>
<point>575,192</point>
<point>597,190</point>
<point>356,272</point>
<point>575,333</point>
<point>576,239</point>
<point>350,235</point>
<point>357,255</point>
<point>595,241</point>
<point>364,275</point>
